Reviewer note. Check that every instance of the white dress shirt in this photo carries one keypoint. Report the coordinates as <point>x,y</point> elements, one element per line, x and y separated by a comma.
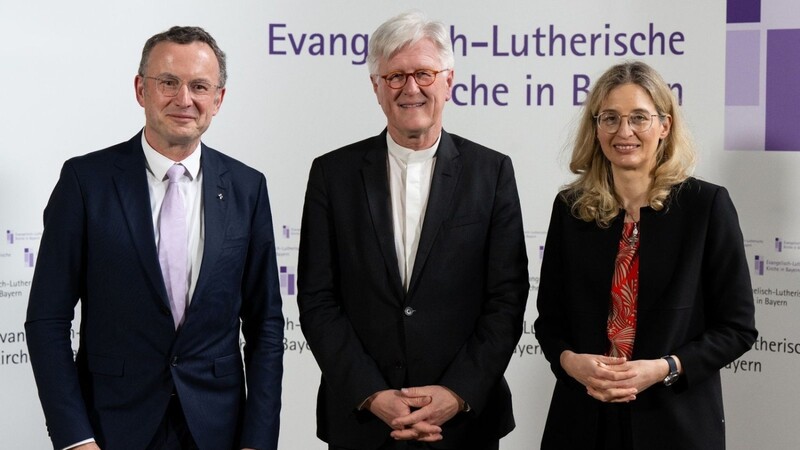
<point>191,187</point>
<point>410,175</point>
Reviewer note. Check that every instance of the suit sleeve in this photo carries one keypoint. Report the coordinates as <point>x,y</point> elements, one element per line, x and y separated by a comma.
<point>58,283</point>
<point>481,362</point>
<point>553,321</point>
<point>262,329</point>
<point>728,297</point>
<point>334,343</point>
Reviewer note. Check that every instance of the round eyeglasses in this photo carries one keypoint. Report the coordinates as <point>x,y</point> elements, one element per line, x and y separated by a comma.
<point>170,86</point>
<point>423,77</point>
<point>639,122</point>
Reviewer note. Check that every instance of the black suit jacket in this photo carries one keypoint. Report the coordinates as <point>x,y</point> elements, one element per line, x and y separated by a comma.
<point>695,301</point>
<point>462,315</point>
<point>98,247</point>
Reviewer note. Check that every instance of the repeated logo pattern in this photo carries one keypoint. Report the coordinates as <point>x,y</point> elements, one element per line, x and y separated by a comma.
<point>762,66</point>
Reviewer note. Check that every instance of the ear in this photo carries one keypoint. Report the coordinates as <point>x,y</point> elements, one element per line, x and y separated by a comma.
<point>666,127</point>
<point>373,79</point>
<point>449,80</point>
<point>218,100</point>
<point>138,86</point>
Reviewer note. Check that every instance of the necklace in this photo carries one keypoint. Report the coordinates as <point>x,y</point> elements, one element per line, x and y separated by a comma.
<point>634,237</point>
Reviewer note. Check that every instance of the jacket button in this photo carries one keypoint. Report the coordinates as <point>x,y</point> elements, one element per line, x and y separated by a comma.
<point>409,311</point>
<point>165,311</point>
<point>174,361</point>
<point>399,365</point>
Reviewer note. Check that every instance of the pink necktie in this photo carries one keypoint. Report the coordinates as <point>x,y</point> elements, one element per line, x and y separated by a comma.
<point>173,243</point>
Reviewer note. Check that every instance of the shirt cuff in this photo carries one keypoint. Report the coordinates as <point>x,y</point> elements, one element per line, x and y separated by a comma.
<point>79,443</point>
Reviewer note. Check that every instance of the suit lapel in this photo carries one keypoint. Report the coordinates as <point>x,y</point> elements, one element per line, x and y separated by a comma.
<point>658,253</point>
<point>376,185</point>
<point>445,178</point>
<point>216,196</point>
<point>131,185</point>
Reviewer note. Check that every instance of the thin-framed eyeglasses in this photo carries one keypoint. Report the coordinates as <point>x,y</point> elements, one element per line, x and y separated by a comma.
<point>170,86</point>
<point>423,77</point>
<point>639,122</point>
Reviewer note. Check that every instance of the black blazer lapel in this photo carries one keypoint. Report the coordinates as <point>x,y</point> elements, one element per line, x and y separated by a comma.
<point>134,197</point>
<point>216,192</point>
<point>445,178</point>
<point>376,185</point>
<point>659,252</point>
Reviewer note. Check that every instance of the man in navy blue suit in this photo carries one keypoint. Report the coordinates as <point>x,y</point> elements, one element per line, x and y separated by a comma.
<point>160,367</point>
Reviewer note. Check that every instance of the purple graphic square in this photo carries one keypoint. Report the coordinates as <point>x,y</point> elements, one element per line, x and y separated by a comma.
<point>744,11</point>
<point>290,287</point>
<point>742,62</point>
<point>783,90</point>
<point>28,255</point>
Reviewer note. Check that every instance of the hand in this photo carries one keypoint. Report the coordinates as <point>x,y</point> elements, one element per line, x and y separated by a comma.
<point>425,423</point>
<point>388,405</point>
<point>606,378</point>
<point>648,372</point>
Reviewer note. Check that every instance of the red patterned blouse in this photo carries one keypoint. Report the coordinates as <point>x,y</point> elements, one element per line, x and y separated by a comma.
<point>624,294</point>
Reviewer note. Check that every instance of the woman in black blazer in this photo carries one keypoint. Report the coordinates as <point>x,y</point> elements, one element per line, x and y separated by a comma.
<point>645,292</point>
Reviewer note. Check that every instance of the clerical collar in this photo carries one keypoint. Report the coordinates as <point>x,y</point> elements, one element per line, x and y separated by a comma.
<point>407,155</point>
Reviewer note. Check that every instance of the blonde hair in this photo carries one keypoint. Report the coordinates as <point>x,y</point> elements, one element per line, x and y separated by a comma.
<point>591,195</point>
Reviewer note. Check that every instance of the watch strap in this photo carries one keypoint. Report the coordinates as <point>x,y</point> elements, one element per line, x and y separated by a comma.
<point>672,376</point>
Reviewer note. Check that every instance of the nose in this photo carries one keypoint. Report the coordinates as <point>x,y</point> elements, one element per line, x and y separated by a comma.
<point>184,96</point>
<point>625,127</point>
<point>411,86</point>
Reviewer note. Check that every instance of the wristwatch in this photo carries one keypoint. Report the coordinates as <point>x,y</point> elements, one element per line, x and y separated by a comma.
<point>672,376</point>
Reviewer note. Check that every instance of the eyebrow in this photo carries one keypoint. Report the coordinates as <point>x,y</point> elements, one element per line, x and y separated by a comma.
<point>194,80</point>
<point>643,110</point>
<point>413,71</point>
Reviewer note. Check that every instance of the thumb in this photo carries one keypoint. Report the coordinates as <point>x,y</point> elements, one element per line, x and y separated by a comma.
<point>414,392</point>
<point>611,360</point>
<point>418,402</point>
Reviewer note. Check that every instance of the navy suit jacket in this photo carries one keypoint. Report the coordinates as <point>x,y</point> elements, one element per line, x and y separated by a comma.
<point>695,301</point>
<point>458,322</point>
<point>98,247</point>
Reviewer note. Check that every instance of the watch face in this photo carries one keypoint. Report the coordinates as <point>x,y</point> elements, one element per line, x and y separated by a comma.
<point>670,379</point>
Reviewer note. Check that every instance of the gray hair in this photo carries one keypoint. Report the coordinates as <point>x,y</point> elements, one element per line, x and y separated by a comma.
<point>407,29</point>
<point>184,35</point>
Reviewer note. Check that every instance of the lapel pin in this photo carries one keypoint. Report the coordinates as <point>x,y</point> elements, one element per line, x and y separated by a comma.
<point>220,196</point>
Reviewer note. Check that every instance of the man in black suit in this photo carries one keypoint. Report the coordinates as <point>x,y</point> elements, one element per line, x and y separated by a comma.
<point>413,271</point>
<point>159,364</point>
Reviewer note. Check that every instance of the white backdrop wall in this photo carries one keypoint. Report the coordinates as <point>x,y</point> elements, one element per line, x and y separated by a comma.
<point>298,88</point>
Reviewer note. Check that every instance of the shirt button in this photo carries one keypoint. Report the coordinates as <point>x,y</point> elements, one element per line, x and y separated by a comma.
<point>174,361</point>
<point>409,311</point>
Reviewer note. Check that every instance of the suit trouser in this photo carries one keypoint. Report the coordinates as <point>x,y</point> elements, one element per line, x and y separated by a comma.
<point>173,432</point>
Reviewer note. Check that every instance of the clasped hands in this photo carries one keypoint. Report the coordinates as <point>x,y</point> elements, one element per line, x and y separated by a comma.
<point>416,413</point>
<point>611,379</point>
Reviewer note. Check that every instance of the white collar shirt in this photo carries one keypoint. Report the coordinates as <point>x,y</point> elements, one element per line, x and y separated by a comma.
<point>410,175</point>
<point>191,187</point>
